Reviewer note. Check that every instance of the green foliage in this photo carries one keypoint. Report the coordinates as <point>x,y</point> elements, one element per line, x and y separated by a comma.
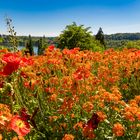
<point>116,44</point>
<point>1,39</point>
<point>2,47</point>
<point>42,44</point>
<point>29,45</point>
<point>77,36</point>
<point>132,44</point>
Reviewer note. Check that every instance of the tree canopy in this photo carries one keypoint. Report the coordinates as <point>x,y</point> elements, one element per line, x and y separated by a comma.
<point>77,36</point>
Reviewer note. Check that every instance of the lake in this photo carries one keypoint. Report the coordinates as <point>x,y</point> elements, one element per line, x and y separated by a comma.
<point>35,49</point>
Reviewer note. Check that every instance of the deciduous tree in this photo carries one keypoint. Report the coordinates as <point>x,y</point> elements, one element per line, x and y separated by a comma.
<point>77,36</point>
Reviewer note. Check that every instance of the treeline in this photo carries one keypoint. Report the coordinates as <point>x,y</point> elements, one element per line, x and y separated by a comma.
<point>4,40</point>
<point>117,39</point>
<point>73,36</point>
<point>123,36</point>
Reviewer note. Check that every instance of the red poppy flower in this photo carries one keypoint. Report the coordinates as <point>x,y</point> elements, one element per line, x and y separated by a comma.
<point>137,53</point>
<point>12,63</point>
<point>26,61</point>
<point>1,84</point>
<point>88,128</point>
<point>71,51</point>
<point>19,125</point>
<point>24,114</point>
<point>93,122</point>
<point>51,48</point>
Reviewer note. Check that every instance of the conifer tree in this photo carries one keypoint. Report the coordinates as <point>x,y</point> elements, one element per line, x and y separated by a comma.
<point>100,37</point>
<point>29,45</point>
<point>42,44</point>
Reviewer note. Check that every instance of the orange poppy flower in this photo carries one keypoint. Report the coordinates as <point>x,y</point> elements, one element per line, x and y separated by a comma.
<point>18,138</point>
<point>88,106</point>
<point>19,125</point>
<point>68,137</point>
<point>1,136</point>
<point>118,129</point>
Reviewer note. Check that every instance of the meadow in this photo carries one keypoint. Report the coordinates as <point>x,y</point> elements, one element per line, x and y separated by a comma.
<point>70,94</point>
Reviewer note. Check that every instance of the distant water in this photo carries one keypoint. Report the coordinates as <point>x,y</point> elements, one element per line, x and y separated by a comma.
<point>35,48</point>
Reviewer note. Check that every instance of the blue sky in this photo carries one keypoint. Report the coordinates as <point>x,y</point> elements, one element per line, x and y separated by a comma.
<point>49,17</point>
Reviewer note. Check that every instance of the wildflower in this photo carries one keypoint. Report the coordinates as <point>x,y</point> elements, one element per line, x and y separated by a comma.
<point>89,127</point>
<point>101,115</point>
<point>81,73</point>
<point>63,126</point>
<point>71,51</point>
<point>12,63</point>
<point>25,62</point>
<point>51,48</point>
<point>49,90</point>
<point>93,122</point>
<point>1,137</point>
<point>53,118</point>
<point>78,125</point>
<point>19,125</point>
<point>24,114</point>
<point>129,116</point>
<point>137,98</point>
<point>72,115</point>
<point>53,97</point>
<point>88,133</point>
<point>3,50</point>
<point>5,116</point>
<point>138,115</point>
<point>68,137</point>
<point>118,129</point>
<point>1,84</point>
<point>18,138</point>
<point>137,53</point>
<point>88,106</point>
<point>30,84</point>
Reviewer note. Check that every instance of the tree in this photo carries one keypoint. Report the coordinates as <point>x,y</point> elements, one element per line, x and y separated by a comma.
<point>1,39</point>
<point>100,37</point>
<point>29,45</point>
<point>132,44</point>
<point>42,44</point>
<point>77,36</point>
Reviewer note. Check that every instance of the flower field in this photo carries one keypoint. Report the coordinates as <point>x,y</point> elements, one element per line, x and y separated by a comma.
<point>70,95</point>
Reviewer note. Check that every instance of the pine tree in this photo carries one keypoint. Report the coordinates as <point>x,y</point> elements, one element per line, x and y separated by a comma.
<point>29,45</point>
<point>42,44</point>
<point>100,36</point>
